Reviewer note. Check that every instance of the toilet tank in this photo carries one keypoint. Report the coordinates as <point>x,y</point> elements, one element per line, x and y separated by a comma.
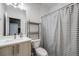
<point>36,43</point>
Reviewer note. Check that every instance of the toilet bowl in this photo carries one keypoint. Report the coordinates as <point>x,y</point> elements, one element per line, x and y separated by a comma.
<point>39,50</point>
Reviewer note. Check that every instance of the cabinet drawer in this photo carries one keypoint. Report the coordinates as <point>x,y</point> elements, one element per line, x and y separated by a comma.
<point>6,51</point>
<point>25,49</point>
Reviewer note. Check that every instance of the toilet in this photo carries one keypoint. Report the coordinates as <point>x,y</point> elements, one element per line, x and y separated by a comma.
<point>39,50</point>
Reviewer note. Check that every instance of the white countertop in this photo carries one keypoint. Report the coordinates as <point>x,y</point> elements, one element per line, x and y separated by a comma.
<point>8,42</point>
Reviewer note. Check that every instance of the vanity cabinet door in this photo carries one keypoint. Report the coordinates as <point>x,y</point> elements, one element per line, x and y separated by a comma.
<point>6,51</point>
<point>16,50</point>
<point>25,49</point>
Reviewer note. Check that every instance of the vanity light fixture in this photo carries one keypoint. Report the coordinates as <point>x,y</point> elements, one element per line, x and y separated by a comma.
<point>17,5</point>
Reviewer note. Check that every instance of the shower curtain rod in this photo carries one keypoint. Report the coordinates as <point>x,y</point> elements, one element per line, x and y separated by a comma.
<point>60,9</point>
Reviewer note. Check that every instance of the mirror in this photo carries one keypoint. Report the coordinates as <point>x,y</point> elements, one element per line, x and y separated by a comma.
<point>14,20</point>
<point>14,26</point>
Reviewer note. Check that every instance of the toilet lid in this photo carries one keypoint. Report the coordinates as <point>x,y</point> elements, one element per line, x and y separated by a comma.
<point>41,52</point>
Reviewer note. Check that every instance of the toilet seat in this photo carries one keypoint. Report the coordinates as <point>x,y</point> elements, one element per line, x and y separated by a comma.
<point>41,52</point>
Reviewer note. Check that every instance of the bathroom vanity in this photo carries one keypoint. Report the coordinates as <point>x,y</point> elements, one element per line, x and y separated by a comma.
<point>15,47</point>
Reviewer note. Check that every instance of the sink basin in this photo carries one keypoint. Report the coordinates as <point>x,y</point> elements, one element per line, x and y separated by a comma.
<point>9,41</point>
<point>5,40</point>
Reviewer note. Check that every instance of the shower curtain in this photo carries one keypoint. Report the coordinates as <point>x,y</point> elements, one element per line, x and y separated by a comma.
<point>59,31</point>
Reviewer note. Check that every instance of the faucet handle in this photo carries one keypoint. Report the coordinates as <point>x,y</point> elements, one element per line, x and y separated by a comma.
<point>21,34</point>
<point>14,35</point>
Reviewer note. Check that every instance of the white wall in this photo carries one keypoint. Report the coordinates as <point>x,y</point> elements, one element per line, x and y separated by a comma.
<point>16,13</point>
<point>47,9</point>
<point>33,12</point>
<point>1,19</point>
<point>36,10</point>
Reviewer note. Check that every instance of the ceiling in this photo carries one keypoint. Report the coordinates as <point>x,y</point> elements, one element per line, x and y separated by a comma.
<point>48,5</point>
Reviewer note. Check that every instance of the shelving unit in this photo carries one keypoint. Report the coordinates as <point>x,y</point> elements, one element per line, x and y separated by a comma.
<point>30,26</point>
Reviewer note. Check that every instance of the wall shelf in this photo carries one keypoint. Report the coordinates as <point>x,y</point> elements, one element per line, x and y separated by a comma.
<point>29,32</point>
<point>34,23</point>
<point>33,33</point>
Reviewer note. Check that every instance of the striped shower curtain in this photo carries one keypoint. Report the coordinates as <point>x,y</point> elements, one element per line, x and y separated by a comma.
<point>59,31</point>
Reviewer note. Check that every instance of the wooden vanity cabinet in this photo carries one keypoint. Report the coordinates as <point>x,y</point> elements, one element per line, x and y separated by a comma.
<point>21,49</point>
<point>6,51</point>
<point>25,49</point>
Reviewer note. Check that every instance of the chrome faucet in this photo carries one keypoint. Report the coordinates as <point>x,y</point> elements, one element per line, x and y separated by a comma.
<point>21,35</point>
<point>14,35</point>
